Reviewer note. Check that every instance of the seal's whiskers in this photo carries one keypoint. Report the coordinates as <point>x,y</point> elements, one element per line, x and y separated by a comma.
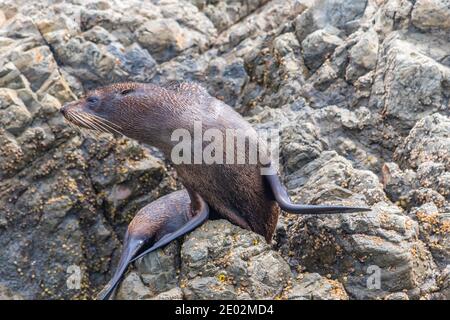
<point>88,129</point>
<point>107,125</point>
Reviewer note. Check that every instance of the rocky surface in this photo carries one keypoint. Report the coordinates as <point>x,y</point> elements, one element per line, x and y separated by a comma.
<point>222,261</point>
<point>359,89</point>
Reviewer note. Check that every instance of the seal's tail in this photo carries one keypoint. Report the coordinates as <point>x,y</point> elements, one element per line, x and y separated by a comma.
<point>285,203</point>
<point>311,209</point>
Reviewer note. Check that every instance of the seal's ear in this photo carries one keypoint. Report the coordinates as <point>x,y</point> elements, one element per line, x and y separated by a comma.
<point>126,91</point>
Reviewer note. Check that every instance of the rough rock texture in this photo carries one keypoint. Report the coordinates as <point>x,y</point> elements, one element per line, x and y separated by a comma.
<point>359,90</point>
<point>222,261</point>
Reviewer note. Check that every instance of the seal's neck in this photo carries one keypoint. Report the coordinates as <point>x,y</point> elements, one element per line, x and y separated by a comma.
<point>160,118</point>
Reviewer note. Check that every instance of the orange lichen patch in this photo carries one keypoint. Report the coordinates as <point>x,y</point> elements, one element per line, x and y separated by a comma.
<point>337,290</point>
<point>38,57</point>
<point>445,228</point>
<point>384,218</point>
<point>180,40</point>
<point>71,185</point>
<point>183,283</point>
<point>430,218</point>
<point>432,222</point>
<point>56,199</point>
<point>414,252</point>
<point>225,260</point>
<point>408,224</point>
<point>240,290</point>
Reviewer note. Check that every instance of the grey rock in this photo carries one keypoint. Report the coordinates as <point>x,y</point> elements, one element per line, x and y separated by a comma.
<point>427,141</point>
<point>332,178</point>
<point>277,73</point>
<point>397,183</point>
<point>270,17</point>
<point>132,288</point>
<point>397,296</point>
<point>222,261</point>
<point>172,294</point>
<point>6,294</point>
<point>319,45</point>
<point>444,283</point>
<point>300,140</point>
<point>312,286</point>
<point>433,227</point>
<point>15,118</point>
<point>363,55</point>
<point>305,23</point>
<point>431,14</point>
<point>340,13</point>
<point>414,83</point>
<point>159,270</point>
<point>434,175</point>
<point>379,245</point>
<point>164,38</point>
<point>223,14</point>
<point>226,79</point>
<point>393,15</point>
<point>179,26</point>
<point>353,246</point>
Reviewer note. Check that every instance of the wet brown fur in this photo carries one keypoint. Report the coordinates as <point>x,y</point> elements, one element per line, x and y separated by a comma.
<point>164,215</point>
<point>150,113</point>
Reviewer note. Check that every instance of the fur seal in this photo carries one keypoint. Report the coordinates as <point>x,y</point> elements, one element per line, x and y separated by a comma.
<point>150,113</point>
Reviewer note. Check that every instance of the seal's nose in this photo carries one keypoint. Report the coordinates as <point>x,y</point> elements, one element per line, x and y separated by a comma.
<point>63,110</point>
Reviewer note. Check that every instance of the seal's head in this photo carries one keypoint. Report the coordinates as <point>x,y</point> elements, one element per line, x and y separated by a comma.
<point>104,109</point>
<point>135,110</point>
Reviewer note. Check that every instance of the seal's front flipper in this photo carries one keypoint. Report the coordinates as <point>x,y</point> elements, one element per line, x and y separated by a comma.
<point>200,211</point>
<point>131,247</point>
<point>282,197</point>
<point>155,221</point>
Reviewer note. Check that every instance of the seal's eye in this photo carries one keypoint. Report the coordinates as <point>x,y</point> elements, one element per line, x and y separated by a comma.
<point>92,99</point>
<point>126,91</point>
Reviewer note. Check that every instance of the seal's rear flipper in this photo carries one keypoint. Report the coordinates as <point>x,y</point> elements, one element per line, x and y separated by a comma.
<point>131,247</point>
<point>282,197</point>
<point>201,215</point>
